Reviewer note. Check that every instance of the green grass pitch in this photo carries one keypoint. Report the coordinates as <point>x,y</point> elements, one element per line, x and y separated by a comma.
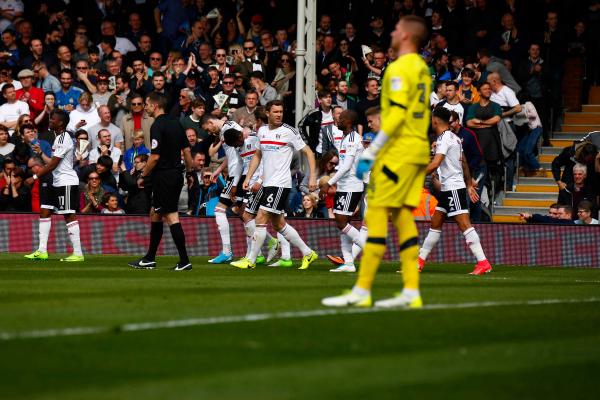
<point>517,333</point>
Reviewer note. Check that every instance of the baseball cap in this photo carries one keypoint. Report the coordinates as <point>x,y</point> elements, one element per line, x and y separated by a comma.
<point>368,137</point>
<point>25,73</point>
<point>257,19</point>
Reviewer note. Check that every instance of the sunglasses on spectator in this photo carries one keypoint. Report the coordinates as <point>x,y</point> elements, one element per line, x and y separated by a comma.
<point>249,48</point>
<point>155,58</point>
<point>220,55</point>
<point>228,82</point>
<point>286,60</point>
<point>94,178</point>
<point>206,177</point>
<point>137,104</point>
<point>81,68</point>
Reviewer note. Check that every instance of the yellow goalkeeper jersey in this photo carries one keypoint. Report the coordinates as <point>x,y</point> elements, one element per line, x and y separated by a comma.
<point>405,114</point>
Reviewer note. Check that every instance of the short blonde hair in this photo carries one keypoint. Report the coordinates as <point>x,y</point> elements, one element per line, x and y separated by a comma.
<point>580,167</point>
<point>138,133</point>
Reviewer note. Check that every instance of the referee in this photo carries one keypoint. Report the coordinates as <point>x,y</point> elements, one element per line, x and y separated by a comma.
<point>168,142</point>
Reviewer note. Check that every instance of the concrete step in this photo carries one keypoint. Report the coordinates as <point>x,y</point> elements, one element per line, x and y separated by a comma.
<point>551,150</point>
<point>528,202</point>
<point>594,108</point>
<point>547,174</point>
<point>537,181</point>
<point>530,195</point>
<point>569,136</point>
<point>580,127</point>
<point>546,158</point>
<point>561,143</point>
<point>514,211</point>
<point>529,188</point>
<point>507,218</point>
<point>582,118</point>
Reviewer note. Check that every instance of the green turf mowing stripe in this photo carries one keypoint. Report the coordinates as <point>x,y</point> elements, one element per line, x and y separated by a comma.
<point>145,326</point>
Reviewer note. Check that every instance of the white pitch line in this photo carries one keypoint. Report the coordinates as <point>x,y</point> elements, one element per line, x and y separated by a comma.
<point>581,281</point>
<point>228,319</point>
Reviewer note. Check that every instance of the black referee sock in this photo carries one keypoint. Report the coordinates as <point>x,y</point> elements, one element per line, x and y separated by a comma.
<point>156,232</point>
<point>179,239</point>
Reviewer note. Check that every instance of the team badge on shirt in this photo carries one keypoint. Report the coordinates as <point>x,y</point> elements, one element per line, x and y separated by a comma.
<point>154,144</point>
<point>396,83</point>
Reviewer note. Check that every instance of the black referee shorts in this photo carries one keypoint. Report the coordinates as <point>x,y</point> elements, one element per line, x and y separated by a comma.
<point>166,188</point>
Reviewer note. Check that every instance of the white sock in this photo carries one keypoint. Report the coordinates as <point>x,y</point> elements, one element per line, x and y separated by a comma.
<point>223,226</point>
<point>472,239</point>
<point>257,241</point>
<point>360,291</point>
<point>249,228</point>
<point>294,238</point>
<point>352,233</point>
<point>357,247</point>
<point>73,229</point>
<point>286,250</point>
<point>411,293</point>
<point>430,241</point>
<point>347,249</point>
<point>44,233</point>
<point>269,236</point>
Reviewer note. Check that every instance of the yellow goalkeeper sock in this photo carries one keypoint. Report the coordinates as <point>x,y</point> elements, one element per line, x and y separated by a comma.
<point>377,220</point>
<point>408,237</point>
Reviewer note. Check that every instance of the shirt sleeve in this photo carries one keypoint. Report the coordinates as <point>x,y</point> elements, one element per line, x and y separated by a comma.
<point>398,88</point>
<point>511,98</point>
<point>296,141</point>
<point>155,138</point>
<point>497,109</point>
<point>442,145</point>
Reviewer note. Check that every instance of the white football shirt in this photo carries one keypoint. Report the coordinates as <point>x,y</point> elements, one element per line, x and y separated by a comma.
<point>450,170</point>
<point>64,174</point>
<point>337,135</point>
<point>234,161</point>
<point>350,150</point>
<point>277,147</point>
<point>247,151</point>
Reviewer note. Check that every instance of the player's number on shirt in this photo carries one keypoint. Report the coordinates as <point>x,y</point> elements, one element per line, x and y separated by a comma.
<point>341,202</point>
<point>61,201</point>
<point>421,88</point>
<point>451,202</point>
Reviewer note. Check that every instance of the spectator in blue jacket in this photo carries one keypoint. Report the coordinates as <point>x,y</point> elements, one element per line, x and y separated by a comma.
<point>137,149</point>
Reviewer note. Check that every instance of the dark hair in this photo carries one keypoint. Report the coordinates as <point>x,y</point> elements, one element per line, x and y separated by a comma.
<point>107,197</point>
<point>105,161</point>
<point>93,50</point>
<point>157,73</point>
<point>6,87</point>
<point>468,72</point>
<point>272,103</point>
<point>62,116</point>
<point>454,115</point>
<point>585,205</point>
<point>325,159</point>
<point>442,113</point>
<point>259,114</point>
<point>19,172</point>
<point>258,75</point>
<point>158,99</point>
<point>452,83</point>
<point>81,132</point>
<point>323,93</point>
<point>567,208</point>
<point>231,136</point>
<point>198,103</point>
<point>109,40</point>
<point>66,71</point>
<point>483,53</point>
<point>142,157</point>
<point>26,126</point>
<point>351,115</point>
<point>7,161</point>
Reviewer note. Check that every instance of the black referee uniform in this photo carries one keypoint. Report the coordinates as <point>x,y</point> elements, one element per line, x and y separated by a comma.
<point>168,139</point>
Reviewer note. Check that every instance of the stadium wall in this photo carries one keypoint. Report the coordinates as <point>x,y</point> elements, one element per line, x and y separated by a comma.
<point>508,244</point>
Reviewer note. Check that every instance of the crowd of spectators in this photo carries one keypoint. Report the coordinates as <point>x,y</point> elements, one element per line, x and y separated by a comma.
<point>497,65</point>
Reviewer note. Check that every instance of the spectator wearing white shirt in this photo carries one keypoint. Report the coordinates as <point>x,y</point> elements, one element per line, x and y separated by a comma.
<point>12,109</point>
<point>85,115</point>
<point>122,44</point>
<point>105,148</point>
<point>105,123</point>
<point>452,101</point>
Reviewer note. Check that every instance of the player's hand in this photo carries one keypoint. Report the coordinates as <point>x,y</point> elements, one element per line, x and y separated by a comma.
<point>255,187</point>
<point>246,184</point>
<point>561,185</point>
<point>312,184</point>
<point>323,191</point>
<point>214,177</point>
<point>365,163</point>
<point>473,194</point>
